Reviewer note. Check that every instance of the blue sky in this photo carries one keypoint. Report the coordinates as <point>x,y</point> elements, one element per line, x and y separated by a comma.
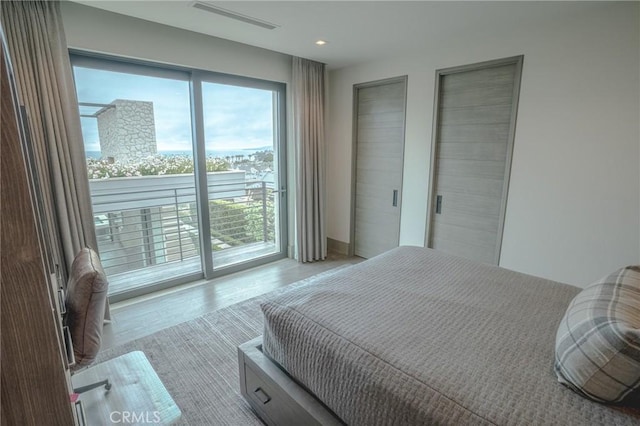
<point>235,117</point>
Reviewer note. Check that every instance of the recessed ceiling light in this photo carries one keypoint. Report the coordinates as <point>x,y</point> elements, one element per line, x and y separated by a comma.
<point>321,42</point>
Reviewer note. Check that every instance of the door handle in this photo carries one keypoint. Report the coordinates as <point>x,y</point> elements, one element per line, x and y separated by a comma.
<point>439,204</point>
<point>394,203</point>
<point>262,395</point>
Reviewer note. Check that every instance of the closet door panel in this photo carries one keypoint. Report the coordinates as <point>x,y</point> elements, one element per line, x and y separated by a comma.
<point>379,155</point>
<point>476,111</point>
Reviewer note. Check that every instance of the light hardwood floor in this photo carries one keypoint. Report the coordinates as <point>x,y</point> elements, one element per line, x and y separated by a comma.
<point>145,315</point>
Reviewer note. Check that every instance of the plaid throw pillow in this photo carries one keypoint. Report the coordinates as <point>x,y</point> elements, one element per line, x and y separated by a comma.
<point>598,340</point>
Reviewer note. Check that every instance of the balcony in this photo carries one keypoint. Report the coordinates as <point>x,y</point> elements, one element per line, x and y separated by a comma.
<point>148,229</point>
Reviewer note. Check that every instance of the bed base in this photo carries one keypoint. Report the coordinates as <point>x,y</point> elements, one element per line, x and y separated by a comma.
<point>274,396</point>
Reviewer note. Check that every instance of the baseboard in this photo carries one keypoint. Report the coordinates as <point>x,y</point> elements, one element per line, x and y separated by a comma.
<point>338,247</point>
<point>333,246</point>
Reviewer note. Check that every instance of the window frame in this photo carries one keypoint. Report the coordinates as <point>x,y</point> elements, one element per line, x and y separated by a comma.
<point>196,77</point>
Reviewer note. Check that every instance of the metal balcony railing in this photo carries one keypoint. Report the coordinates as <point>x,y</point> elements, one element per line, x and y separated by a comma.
<point>146,221</point>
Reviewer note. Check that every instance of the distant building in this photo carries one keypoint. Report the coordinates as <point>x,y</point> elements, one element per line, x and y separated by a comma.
<point>127,130</point>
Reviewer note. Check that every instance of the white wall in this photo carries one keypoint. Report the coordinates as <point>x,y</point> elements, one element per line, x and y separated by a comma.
<point>573,211</point>
<point>96,30</point>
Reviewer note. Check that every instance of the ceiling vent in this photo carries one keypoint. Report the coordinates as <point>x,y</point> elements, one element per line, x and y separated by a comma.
<point>208,7</point>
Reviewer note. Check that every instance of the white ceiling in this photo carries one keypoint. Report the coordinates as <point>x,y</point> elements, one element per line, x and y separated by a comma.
<point>356,31</point>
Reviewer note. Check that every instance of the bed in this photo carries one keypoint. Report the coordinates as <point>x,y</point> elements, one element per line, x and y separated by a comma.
<point>414,337</point>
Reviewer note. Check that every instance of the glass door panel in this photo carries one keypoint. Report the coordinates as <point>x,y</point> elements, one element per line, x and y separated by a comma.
<point>136,126</point>
<point>244,195</point>
<point>171,206</point>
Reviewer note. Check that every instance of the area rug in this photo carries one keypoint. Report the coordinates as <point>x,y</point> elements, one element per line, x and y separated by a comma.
<point>198,360</point>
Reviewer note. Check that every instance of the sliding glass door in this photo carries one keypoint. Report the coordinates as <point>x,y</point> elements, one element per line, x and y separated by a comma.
<point>183,169</point>
<point>136,125</point>
<point>240,126</point>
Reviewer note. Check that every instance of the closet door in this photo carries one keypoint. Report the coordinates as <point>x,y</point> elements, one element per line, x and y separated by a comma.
<point>379,123</point>
<point>474,128</point>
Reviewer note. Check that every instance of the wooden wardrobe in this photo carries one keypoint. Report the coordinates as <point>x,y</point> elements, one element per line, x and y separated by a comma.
<point>35,383</point>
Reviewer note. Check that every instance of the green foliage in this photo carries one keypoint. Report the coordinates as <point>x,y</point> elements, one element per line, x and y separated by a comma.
<point>264,156</point>
<point>255,220</point>
<point>217,165</point>
<point>238,223</point>
<point>151,166</point>
<point>225,239</point>
<point>228,221</point>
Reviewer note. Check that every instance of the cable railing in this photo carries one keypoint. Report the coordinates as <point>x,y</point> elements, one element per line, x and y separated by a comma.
<point>144,223</point>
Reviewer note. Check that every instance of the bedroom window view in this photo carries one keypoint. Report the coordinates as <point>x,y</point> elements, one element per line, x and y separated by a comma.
<point>137,135</point>
<point>143,178</point>
<point>239,122</point>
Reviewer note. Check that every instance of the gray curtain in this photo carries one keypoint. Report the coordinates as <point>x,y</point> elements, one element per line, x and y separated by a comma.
<point>308,92</point>
<point>38,51</point>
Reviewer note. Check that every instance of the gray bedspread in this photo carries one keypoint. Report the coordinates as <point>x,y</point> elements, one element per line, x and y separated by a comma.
<point>416,337</point>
